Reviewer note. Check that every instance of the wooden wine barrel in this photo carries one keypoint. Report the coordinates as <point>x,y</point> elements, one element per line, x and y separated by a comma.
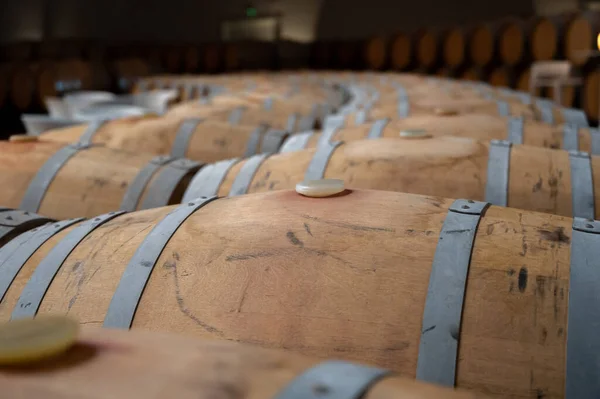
<point>539,179</point>
<point>173,59</point>
<point>375,54</point>
<point>191,59</point>
<point>581,34</point>
<point>476,126</point>
<point>513,42</point>
<point>203,141</point>
<point>14,222</point>
<point>483,45</point>
<point>545,36</point>
<point>401,51</point>
<point>473,74</point>
<point>231,59</point>
<point>86,181</point>
<point>200,369</point>
<point>568,95</point>
<point>455,47</point>
<point>523,83</point>
<point>502,77</point>
<point>4,83</point>
<point>345,276</point>
<point>428,48</point>
<point>590,100</point>
<point>22,86</point>
<point>211,60</point>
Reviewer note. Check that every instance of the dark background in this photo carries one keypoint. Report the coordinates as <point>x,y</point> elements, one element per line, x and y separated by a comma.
<point>200,21</point>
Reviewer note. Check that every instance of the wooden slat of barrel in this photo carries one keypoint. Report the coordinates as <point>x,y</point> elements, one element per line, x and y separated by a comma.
<point>375,53</point>
<point>189,367</point>
<point>231,58</point>
<point>445,166</point>
<point>455,47</point>
<point>590,98</point>
<point>477,126</point>
<point>92,182</point>
<point>428,48</point>
<point>401,50</point>
<point>345,276</point>
<point>502,77</point>
<point>211,141</point>
<point>173,59</point>
<point>580,35</point>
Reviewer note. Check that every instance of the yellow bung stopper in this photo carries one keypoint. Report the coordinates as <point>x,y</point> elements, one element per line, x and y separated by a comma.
<point>31,340</point>
<point>320,188</point>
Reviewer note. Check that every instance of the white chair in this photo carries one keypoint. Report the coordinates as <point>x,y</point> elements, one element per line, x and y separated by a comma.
<point>555,74</point>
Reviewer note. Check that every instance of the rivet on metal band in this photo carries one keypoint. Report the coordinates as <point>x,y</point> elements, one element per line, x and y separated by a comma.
<point>516,126</point>
<point>496,187</point>
<point>583,346</point>
<point>582,185</point>
<point>570,137</point>
<point>207,181</point>
<point>440,331</point>
<point>14,222</point>
<point>39,185</point>
<point>545,108</point>
<point>575,116</point>
<point>17,252</point>
<point>503,108</point>
<point>236,115</point>
<point>318,163</point>
<point>377,127</point>
<point>244,177</point>
<point>291,123</point>
<point>34,291</point>
<point>595,140</point>
<point>162,188</point>
<point>124,302</point>
<point>138,185</point>
<point>272,140</point>
<point>87,136</point>
<point>254,140</point>
<point>333,380</point>
<point>182,139</point>
<point>296,142</point>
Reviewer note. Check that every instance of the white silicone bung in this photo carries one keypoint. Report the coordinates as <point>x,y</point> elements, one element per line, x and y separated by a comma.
<point>414,133</point>
<point>320,188</point>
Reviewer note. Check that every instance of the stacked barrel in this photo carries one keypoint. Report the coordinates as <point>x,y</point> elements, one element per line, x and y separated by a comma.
<point>438,229</point>
<point>500,52</point>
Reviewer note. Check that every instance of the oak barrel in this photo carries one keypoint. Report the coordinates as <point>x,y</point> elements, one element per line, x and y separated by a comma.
<point>191,138</point>
<point>143,365</point>
<point>346,276</point>
<point>538,179</point>
<point>477,126</point>
<point>88,180</point>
